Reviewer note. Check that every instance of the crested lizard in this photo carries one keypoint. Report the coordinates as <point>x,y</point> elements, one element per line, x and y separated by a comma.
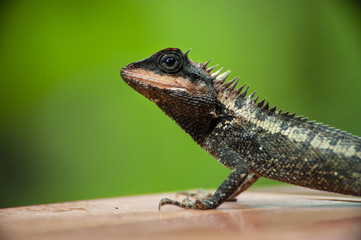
<point>243,133</point>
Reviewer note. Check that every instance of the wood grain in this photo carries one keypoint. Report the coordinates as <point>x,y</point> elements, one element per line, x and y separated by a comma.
<point>270,213</point>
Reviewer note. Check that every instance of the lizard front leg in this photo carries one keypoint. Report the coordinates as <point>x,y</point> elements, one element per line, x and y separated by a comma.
<point>232,183</point>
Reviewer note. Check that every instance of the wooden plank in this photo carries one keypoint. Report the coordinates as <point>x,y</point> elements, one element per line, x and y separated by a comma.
<point>271,213</point>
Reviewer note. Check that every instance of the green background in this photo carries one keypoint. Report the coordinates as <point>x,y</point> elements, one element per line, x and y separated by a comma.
<point>71,128</point>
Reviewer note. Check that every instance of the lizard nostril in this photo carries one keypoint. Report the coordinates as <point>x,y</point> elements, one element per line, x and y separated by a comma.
<point>126,68</point>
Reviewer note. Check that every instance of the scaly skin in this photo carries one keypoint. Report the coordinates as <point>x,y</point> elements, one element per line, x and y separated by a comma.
<point>245,135</point>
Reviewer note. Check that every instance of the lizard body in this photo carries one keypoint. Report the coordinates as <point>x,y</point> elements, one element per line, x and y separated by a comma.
<point>245,134</point>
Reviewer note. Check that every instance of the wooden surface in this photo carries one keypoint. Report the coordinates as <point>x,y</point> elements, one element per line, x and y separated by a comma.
<point>271,213</point>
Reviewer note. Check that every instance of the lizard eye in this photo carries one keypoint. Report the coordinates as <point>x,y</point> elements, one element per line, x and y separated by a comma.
<point>170,63</point>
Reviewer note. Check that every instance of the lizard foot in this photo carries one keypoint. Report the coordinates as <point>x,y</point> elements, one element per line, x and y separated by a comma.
<point>200,195</point>
<point>186,203</point>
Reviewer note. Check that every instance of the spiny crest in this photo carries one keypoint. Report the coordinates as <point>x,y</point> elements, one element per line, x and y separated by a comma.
<point>239,90</point>
<point>219,80</point>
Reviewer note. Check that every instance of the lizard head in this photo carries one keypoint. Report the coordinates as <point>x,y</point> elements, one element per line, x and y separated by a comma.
<point>168,72</point>
<point>185,90</point>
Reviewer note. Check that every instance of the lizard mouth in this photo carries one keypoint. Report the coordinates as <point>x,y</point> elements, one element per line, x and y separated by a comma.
<point>148,78</point>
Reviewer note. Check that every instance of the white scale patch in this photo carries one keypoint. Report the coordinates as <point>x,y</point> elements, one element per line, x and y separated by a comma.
<point>339,148</point>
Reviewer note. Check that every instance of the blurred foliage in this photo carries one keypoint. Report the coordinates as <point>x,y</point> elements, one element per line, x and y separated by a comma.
<point>72,129</point>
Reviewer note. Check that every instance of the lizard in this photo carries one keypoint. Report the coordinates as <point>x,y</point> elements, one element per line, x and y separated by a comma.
<point>246,135</point>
